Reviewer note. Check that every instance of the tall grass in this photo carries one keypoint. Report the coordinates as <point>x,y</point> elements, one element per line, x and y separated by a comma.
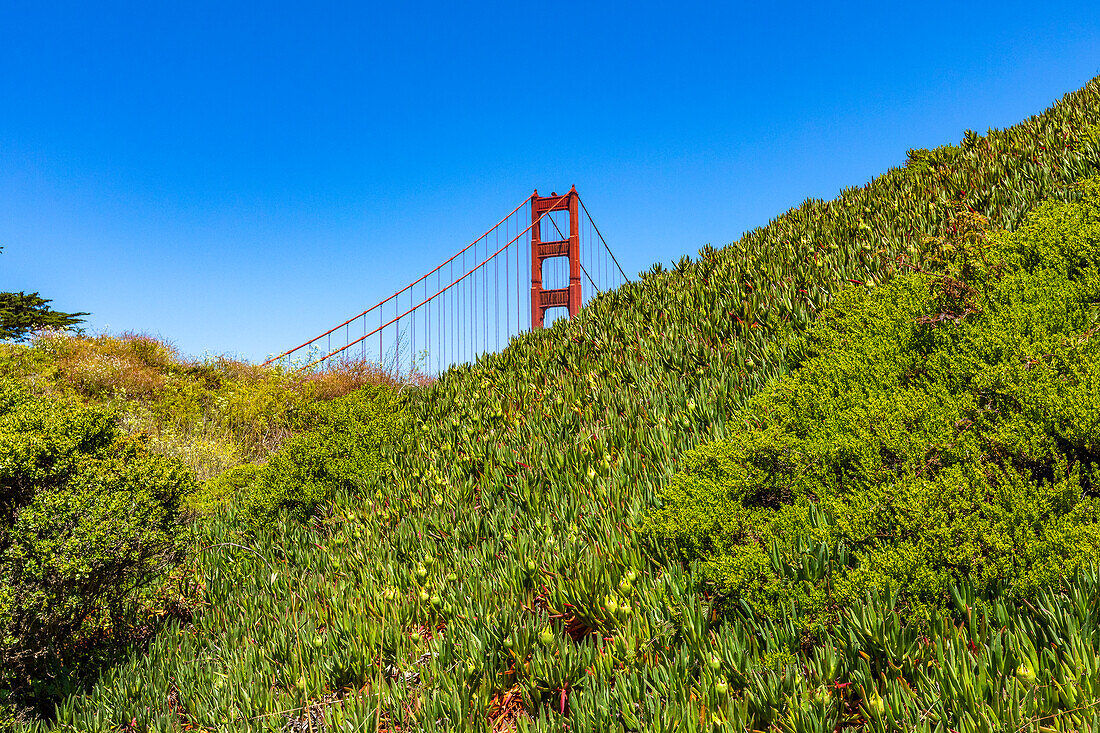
<point>213,413</point>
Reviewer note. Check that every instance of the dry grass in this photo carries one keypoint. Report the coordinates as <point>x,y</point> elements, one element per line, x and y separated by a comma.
<point>131,364</point>
<point>212,414</point>
<point>342,377</point>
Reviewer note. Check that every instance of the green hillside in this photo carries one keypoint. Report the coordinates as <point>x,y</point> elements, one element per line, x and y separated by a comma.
<point>102,442</point>
<point>503,571</point>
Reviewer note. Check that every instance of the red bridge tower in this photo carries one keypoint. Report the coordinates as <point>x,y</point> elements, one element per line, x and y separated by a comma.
<point>569,297</point>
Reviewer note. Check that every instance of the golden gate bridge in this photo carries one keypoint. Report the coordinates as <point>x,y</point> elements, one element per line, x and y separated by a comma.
<point>546,255</point>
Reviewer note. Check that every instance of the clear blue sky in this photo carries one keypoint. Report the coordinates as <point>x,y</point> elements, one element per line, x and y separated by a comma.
<point>237,177</point>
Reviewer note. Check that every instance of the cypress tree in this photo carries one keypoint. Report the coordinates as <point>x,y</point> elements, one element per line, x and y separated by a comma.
<point>22,313</point>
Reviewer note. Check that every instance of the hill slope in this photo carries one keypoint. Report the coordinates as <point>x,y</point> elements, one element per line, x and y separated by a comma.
<point>496,573</point>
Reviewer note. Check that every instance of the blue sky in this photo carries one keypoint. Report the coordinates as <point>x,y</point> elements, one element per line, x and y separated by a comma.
<point>237,177</point>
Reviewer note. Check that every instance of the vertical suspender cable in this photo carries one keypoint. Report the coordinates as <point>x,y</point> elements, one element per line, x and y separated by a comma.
<point>425,339</point>
<point>458,324</point>
<point>460,319</point>
<point>455,312</point>
<point>475,282</point>
<point>603,266</point>
<point>485,280</point>
<point>450,327</point>
<point>440,323</point>
<point>444,342</point>
<point>428,332</point>
<point>518,292</point>
<point>438,332</point>
<point>580,237</point>
<point>593,259</point>
<point>519,288</point>
<point>507,290</point>
<point>478,313</point>
<point>585,252</point>
<point>465,316</point>
<point>465,319</point>
<point>521,293</point>
<point>496,296</point>
<point>467,298</point>
<point>445,332</point>
<point>471,311</point>
<point>471,318</point>
<point>524,283</point>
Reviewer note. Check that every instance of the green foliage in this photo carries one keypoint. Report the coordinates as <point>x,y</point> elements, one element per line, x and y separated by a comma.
<point>87,516</point>
<point>218,494</point>
<point>512,510</point>
<point>341,451</point>
<point>212,415</point>
<point>23,313</point>
<point>927,444</point>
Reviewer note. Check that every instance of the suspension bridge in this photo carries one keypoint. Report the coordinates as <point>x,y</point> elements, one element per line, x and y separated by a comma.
<point>546,255</point>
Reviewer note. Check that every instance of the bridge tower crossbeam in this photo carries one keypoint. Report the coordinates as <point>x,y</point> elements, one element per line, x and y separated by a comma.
<point>567,297</point>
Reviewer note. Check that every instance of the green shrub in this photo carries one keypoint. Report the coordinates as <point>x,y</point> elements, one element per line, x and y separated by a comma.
<point>212,414</point>
<point>87,517</point>
<point>936,427</point>
<point>342,449</point>
<point>219,493</point>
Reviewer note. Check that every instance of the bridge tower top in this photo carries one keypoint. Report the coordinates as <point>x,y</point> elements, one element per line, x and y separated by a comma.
<point>568,245</point>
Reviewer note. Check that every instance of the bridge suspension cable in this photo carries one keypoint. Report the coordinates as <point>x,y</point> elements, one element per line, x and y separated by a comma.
<point>461,314</point>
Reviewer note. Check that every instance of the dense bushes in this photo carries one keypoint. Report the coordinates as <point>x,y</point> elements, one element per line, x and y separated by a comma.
<point>87,516</point>
<point>342,450</point>
<point>212,414</point>
<point>91,517</point>
<point>937,427</point>
<point>100,438</point>
<point>250,563</point>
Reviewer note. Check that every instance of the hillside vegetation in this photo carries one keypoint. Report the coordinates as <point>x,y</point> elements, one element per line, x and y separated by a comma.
<point>494,575</point>
<point>102,444</point>
<point>938,430</point>
<point>86,515</point>
<point>212,414</point>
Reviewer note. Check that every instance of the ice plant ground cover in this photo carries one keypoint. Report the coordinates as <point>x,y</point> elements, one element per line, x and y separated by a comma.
<point>494,575</point>
<point>936,431</point>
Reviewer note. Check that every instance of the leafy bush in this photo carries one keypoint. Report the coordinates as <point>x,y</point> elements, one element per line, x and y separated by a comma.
<point>87,517</point>
<point>938,429</point>
<point>342,449</point>
<point>212,414</point>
